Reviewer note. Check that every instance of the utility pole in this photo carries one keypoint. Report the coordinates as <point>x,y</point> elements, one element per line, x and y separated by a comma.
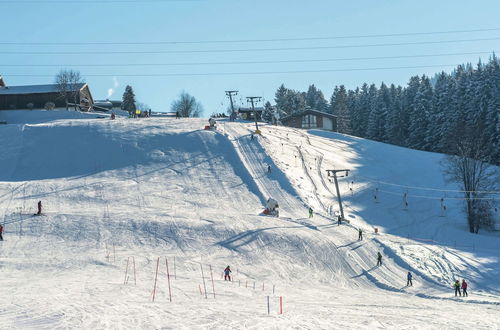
<point>230,94</point>
<point>256,99</point>
<point>333,173</point>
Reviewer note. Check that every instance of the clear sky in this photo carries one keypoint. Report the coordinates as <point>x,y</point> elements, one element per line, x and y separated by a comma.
<point>149,25</point>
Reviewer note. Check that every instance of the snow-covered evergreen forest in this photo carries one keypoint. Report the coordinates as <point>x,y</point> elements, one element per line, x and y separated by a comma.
<point>430,113</point>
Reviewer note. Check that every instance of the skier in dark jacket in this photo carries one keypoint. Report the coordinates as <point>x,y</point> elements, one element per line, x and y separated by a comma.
<point>268,168</point>
<point>1,232</point>
<point>456,285</point>
<point>408,279</point>
<point>310,212</point>
<point>360,234</point>
<point>464,288</point>
<point>379,259</point>
<point>339,220</point>
<point>227,272</point>
<point>39,208</point>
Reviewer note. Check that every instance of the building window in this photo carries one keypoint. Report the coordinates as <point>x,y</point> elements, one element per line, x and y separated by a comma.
<point>309,121</point>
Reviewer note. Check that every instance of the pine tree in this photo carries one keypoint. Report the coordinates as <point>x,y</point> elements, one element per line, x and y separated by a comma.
<point>267,114</point>
<point>315,99</point>
<point>128,100</point>
<point>419,117</point>
<point>340,109</point>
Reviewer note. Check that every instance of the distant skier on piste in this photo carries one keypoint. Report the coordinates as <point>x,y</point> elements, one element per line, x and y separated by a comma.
<point>1,232</point>
<point>39,208</point>
<point>339,220</point>
<point>408,279</point>
<point>360,234</point>
<point>310,212</point>
<point>464,288</point>
<point>227,272</point>
<point>268,168</point>
<point>379,259</point>
<point>456,285</point>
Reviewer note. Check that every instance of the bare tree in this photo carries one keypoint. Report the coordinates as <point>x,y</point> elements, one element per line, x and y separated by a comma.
<point>68,82</point>
<point>469,166</point>
<point>187,106</point>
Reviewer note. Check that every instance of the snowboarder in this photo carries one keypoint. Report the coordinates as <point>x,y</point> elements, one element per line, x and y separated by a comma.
<point>1,231</point>
<point>379,259</point>
<point>457,288</point>
<point>339,220</point>
<point>408,279</point>
<point>464,288</point>
<point>310,212</point>
<point>227,272</point>
<point>39,208</point>
<point>360,234</point>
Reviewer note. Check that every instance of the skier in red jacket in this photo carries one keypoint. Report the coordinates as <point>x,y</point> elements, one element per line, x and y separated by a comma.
<point>1,231</point>
<point>464,288</point>
<point>227,273</point>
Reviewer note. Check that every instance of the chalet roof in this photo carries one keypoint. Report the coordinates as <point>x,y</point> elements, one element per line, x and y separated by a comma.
<point>308,112</point>
<point>34,89</point>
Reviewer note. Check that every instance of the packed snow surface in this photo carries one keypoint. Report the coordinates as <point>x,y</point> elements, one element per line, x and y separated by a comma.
<point>123,198</point>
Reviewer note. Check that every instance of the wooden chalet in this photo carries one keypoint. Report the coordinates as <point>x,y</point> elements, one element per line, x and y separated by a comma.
<point>310,118</point>
<point>37,96</point>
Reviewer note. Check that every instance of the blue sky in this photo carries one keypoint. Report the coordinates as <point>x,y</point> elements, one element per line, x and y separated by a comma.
<point>85,21</point>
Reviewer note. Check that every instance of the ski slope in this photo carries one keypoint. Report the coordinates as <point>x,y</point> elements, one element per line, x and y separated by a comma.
<point>160,187</point>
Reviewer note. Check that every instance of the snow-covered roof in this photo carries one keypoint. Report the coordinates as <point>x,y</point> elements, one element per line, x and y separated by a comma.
<point>33,89</point>
<point>309,111</point>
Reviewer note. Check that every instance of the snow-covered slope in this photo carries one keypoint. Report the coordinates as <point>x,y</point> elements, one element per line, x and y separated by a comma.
<point>151,188</point>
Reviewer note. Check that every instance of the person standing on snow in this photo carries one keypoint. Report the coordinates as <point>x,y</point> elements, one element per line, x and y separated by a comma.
<point>310,212</point>
<point>360,234</point>
<point>464,288</point>
<point>39,208</point>
<point>339,220</point>
<point>456,285</point>
<point>379,259</point>
<point>227,272</point>
<point>268,168</point>
<point>408,279</point>
<point>1,231</point>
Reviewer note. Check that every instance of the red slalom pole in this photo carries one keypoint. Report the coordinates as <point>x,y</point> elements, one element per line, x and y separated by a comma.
<point>156,277</point>
<point>281,305</point>
<point>168,278</point>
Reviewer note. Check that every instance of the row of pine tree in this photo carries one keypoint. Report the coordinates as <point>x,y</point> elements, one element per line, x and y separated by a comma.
<point>427,114</point>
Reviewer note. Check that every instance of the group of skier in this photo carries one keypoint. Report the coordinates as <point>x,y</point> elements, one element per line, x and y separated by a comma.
<point>459,286</point>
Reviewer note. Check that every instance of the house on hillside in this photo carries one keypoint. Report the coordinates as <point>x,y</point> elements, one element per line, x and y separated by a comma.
<point>248,113</point>
<point>310,118</point>
<point>37,96</point>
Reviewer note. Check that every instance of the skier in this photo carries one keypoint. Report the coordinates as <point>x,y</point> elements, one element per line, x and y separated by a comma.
<point>379,259</point>
<point>251,136</point>
<point>464,288</point>
<point>457,288</point>
<point>339,220</point>
<point>268,168</point>
<point>227,271</point>
<point>112,116</point>
<point>310,212</point>
<point>39,208</point>
<point>408,281</point>
<point>360,234</point>
<point>1,231</point>
<point>177,115</point>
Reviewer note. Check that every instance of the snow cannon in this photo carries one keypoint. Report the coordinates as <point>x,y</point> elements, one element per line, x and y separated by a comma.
<point>271,208</point>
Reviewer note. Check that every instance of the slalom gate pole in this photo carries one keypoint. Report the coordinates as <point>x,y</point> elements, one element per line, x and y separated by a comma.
<point>203,278</point>
<point>135,277</point>
<point>156,277</point>
<point>199,286</point>
<point>212,277</point>
<point>273,288</point>
<point>281,305</point>
<point>168,279</point>
<point>239,284</point>
<point>246,284</point>
<point>114,253</point>
<point>262,286</point>
<point>126,272</point>
<point>254,285</point>
<point>268,307</point>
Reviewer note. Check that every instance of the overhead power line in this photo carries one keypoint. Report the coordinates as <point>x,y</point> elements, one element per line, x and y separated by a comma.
<point>173,42</point>
<point>241,73</point>
<point>246,62</point>
<point>244,50</point>
<point>102,2</point>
